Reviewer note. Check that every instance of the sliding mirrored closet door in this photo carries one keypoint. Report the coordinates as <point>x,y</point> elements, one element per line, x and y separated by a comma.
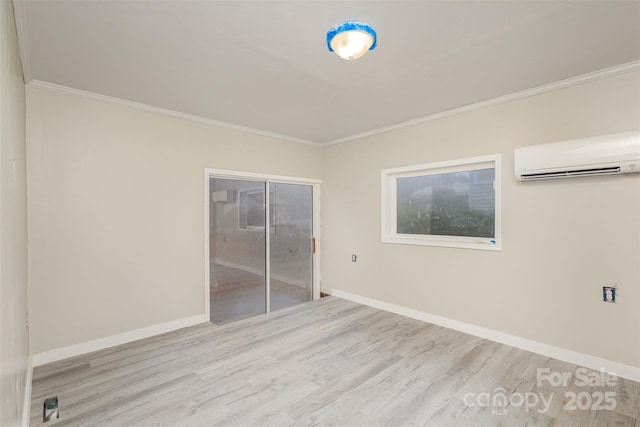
<point>251,271</point>
<point>291,244</point>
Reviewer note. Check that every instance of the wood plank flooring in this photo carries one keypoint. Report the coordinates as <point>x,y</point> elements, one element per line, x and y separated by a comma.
<point>326,362</point>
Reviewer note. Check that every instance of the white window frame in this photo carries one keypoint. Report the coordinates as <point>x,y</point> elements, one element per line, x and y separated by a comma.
<point>389,203</point>
<point>241,225</point>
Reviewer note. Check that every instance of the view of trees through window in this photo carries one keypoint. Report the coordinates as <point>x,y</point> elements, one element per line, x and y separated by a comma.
<point>447,204</point>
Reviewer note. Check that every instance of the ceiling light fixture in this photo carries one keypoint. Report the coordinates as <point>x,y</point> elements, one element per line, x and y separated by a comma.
<point>352,39</point>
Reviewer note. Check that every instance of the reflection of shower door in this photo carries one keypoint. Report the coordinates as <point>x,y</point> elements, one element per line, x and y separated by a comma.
<point>253,272</point>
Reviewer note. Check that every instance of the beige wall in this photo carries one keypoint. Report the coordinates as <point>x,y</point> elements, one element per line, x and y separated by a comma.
<point>116,212</point>
<point>14,337</point>
<point>116,220</point>
<point>562,239</point>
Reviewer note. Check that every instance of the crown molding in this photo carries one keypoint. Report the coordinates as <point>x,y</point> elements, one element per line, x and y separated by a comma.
<point>561,84</point>
<point>162,111</point>
<point>20,16</point>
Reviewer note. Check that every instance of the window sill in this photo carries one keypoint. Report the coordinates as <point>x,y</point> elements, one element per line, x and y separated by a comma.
<point>467,244</point>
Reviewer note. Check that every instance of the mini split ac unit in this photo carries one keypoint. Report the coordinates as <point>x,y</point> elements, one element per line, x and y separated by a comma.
<point>223,196</point>
<point>601,155</point>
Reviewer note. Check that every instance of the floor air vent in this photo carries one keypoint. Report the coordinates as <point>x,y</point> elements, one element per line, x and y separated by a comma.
<point>50,411</point>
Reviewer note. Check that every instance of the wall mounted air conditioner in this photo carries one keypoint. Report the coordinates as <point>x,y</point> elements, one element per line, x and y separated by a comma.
<point>223,196</point>
<point>600,155</point>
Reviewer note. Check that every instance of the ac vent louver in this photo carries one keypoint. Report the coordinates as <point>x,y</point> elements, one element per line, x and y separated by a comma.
<point>568,174</point>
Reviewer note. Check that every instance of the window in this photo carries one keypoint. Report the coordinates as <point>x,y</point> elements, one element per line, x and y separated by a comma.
<point>454,204</point>
<point>251,209</point>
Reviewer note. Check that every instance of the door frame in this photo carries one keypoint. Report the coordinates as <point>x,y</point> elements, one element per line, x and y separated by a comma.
<point>267,178</point>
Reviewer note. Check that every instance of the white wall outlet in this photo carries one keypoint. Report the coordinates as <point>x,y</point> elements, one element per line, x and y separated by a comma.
<point>609,294</point>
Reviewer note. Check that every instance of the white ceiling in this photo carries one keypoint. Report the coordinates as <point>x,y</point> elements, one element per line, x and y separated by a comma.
<point>264,64</point>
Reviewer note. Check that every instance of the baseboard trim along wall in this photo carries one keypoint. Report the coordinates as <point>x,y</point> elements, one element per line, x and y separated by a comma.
<point>26,405</point>
<point>592,362</point>
<point>106,342</point>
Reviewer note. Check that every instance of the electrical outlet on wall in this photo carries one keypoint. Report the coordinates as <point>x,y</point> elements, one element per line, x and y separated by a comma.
<point>609,294</point>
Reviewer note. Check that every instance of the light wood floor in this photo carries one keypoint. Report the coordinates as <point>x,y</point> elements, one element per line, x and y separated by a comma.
<point>327,362</point>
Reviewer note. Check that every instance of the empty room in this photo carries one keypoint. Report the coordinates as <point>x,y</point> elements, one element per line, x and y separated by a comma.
<point>337,213</point>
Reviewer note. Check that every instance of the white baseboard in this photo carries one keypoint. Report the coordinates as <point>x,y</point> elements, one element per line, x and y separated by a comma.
<point>592,362</point>
<point>106,342</point>
<point>26,405</point>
